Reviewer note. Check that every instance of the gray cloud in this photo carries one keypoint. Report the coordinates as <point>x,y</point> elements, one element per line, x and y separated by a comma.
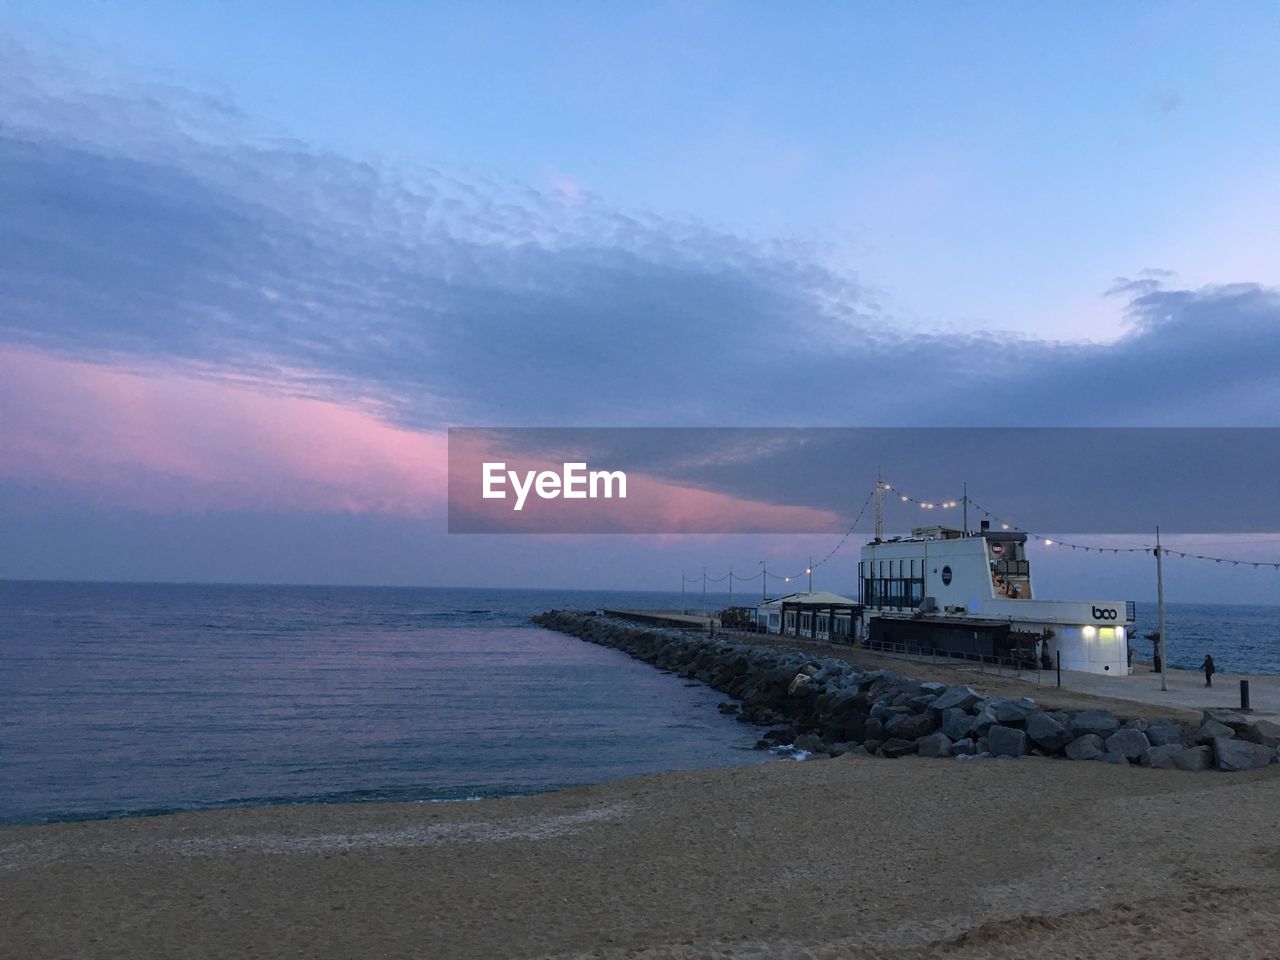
<point>156,224</point>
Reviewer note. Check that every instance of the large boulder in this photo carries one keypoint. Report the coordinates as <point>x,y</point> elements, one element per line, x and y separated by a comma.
<point>1130,744</point>
<point>1009,712</point>
<point>1195,758</point>
<point>1236,754</point>
<point>960,696</point>
<point>1164,757</point>
<point>1047,732</point>
<point>1167,732</point>
<point>913,727</point>
<point>1112,757</point>
<point>1266,732</point>
<point>897,747</point>
<point>1007,741</point>
<point>983,720</point>
<point>956,723</point>
<point>1211,730</point>
<point>1175,756</point>
<point>934,745</point>
<point>1101,723</point>
<point>1085,747</point>
<point>1236,721</point>
<point>964,748</point>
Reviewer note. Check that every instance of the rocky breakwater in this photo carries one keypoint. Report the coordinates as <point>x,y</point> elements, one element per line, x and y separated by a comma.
<point>827,707</point>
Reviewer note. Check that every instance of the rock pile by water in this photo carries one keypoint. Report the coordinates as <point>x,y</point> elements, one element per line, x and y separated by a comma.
<point>827,707</point>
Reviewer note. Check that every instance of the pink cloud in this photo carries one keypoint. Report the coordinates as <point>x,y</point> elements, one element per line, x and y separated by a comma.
<point>171,440</point>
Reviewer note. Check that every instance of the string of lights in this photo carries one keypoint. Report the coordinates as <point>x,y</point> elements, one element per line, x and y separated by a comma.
<point>1005,524</point>
<point>1086,547</point>
<point>795,576</point>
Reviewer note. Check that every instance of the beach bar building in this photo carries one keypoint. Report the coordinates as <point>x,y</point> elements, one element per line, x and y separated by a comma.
<point>971,594</point>
<point>816,616</point>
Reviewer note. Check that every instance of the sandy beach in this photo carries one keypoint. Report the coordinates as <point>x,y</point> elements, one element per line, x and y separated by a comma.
<point>852,857</point>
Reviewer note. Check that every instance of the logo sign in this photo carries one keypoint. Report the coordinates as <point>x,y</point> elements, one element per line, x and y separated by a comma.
<point>946,575</point>
<point>997,549</point>
<point>1104,613</point>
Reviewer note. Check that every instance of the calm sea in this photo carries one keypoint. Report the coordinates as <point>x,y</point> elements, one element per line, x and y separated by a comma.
<point>120,699</point>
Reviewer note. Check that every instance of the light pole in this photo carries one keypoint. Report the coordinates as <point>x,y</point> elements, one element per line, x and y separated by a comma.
<point>764,581</point>
<point>809,571</point>
<point>1164,653</point>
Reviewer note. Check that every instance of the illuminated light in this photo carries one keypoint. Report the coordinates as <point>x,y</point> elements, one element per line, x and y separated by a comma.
<point>1048,543</point>
<point>886,486</point>
<point>905,498</point>
<point>1088,632</point>
<point>810,570</point>
<point>1004,526</point>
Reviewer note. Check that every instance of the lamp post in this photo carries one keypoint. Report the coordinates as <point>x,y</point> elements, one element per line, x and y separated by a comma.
<point>1164,653</point>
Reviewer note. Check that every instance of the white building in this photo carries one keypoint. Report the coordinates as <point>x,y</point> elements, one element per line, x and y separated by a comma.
<point>818,615</point>
<point>945,590</point>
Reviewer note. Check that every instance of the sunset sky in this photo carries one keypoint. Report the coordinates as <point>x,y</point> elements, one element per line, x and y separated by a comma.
<point>257,259</point>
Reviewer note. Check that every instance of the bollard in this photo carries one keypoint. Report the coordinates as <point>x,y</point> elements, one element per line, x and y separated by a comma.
<point>1059,652</point>
<point>1244,694</point>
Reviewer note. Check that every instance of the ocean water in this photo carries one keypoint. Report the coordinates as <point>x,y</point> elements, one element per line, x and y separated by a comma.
<point>119,699</point>
<point>125,699</point>
<point>1242,638</point>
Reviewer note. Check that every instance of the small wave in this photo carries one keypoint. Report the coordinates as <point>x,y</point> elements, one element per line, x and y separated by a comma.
<point>399,795</point>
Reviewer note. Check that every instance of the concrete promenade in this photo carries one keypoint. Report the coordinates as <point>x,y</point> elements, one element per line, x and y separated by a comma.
<point>1186,689</point>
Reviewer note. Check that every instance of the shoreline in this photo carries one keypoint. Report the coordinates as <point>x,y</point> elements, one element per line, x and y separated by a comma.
<point>849,858</point>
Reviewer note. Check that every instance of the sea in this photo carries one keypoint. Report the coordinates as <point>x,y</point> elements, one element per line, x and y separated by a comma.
<point>135,699</point>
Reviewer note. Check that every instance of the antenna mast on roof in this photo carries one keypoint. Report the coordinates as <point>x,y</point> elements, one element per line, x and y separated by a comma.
<point>879,508</point>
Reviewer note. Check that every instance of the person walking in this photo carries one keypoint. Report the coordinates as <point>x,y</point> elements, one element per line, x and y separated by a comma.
<point>1208,669</point>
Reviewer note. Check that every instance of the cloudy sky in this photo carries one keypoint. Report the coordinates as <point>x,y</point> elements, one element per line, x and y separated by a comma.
<point>257,261</point>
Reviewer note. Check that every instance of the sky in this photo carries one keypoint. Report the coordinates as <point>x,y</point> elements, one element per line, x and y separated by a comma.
<point>257,259</point>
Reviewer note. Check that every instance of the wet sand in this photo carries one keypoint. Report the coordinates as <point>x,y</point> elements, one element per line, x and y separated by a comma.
<point>854,857</point>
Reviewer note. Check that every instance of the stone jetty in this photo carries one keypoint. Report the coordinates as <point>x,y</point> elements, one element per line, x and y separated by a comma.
<point>827,707</point>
